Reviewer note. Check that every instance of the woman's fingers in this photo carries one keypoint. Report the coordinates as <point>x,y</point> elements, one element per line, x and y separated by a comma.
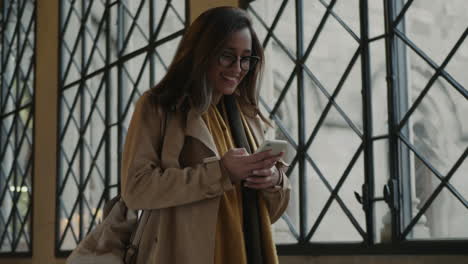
<point>262,172</point>
<point>267,183</point>
<point>266,163</point>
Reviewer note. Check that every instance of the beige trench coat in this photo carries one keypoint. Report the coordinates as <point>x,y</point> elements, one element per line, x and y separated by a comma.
<point>185,196</point>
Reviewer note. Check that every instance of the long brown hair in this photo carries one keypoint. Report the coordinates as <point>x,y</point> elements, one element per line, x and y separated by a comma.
<point>184,85</point>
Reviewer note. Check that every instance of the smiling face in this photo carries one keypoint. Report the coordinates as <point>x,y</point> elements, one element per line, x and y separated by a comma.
<point>225,79</point>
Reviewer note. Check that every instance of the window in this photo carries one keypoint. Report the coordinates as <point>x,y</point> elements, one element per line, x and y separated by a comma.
<point>110,52</point>
<point>371,96</point>
<point>17,44</point>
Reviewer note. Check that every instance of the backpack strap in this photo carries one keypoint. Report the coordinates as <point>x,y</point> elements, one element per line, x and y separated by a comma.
<point>132,248</point>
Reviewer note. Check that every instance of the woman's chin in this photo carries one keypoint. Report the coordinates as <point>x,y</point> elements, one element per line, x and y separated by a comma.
<point>229,90</point>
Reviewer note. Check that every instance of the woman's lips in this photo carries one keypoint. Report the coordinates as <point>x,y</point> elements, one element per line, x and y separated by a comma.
<point>232,79</point>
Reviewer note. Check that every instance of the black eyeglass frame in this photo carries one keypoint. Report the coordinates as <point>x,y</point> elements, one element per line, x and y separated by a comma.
<point>252,63</point>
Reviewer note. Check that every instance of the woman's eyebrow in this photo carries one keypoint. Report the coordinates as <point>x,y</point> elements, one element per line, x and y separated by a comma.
<point>244,51</point>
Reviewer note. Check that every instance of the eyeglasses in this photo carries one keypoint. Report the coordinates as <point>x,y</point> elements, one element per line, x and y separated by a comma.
<point>247,63</point>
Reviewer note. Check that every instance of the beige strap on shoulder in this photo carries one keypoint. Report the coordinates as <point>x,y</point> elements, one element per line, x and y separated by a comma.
<point>135,240</point>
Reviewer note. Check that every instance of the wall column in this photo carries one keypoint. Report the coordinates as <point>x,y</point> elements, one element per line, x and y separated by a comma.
<point>45,151</point>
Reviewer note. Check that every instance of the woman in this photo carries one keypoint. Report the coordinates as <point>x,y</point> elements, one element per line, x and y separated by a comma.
<point>187,158</point>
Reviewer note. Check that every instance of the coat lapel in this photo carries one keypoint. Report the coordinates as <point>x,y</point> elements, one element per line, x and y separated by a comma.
<point>196,128</point>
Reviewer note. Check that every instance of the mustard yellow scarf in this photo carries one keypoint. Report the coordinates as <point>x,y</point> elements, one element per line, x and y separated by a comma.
<point>229,245</point>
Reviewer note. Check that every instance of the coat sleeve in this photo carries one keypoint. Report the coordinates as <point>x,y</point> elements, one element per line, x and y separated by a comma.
<point>145,185</point>
<point>276,198</point>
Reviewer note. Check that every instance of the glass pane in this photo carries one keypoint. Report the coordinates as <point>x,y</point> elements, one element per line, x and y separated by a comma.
<point>287,227</point>
<point>379,88</point>
<point>95,112</point>
<point>443,216</point>
<point>436,128</point>
<point>436,27</point>
<point>336,227</point>
<point>17,46</point>
<point>382,215</point>
<point>331,54</point>
<point>348,11</point>
<point>376,18</point>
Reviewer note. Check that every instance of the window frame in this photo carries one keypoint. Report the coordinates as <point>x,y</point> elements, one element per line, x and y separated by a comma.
<point>397,191</point>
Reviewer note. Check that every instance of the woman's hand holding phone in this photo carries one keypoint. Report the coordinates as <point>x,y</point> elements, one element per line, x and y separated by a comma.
<point>258,170</point>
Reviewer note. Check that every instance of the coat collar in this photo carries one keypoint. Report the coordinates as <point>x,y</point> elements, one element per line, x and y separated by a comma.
<point>196,128</point>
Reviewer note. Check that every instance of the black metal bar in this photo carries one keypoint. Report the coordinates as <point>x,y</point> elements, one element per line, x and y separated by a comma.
<point>100,203</point>
<point>435,193</point>
<point>284,92</point>
<point>433,78</point>
<point>4,228</point>
<point>340,21</point>
<point>80,35</point>
<point>108,113</point>
<point>275,22</point>
<point>331,100</point>
<point>83,127</point>
<point>33,145</point>
<point>120,38</point>
<point>64,22</point>
<point>83,104</point>
<point>319,30</point>
<point>161,21</point>
<point>14,214</point>
<point>132,26</point>
<point>393,113</point>
<point>280,125</point>
<point>95,41</point>
<point>435,247</point>
<point>337,197</point>
<point>152,64</point>
<point>126,58</point>
<point>434,65</point>
<point>291,227</point>
<point>58,178</point>
<point>134,91</point>
<point>16,32</point>
<point>80,91</point>
<point>81,188</point>
<point>22,229</point>
<point>376,38</point>
<point>337,107</point>
<point>301,123</point>
<point>280,44</point>
<point>375,138</point>
<point>436,173</point>
<point>22,220</point>
<point>10,131</point>
<point>17,67</point>
<point>177,14</point>
<point>334,195</point>
<point>401,14</point>
<point>15,160</point>
<point>367,120</point>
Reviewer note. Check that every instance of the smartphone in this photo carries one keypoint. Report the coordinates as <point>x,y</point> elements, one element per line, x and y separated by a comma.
<point>276,146</point>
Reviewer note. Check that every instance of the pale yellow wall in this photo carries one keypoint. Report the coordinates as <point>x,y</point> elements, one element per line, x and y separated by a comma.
<point>46,132</point>
<point>198,6</point>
